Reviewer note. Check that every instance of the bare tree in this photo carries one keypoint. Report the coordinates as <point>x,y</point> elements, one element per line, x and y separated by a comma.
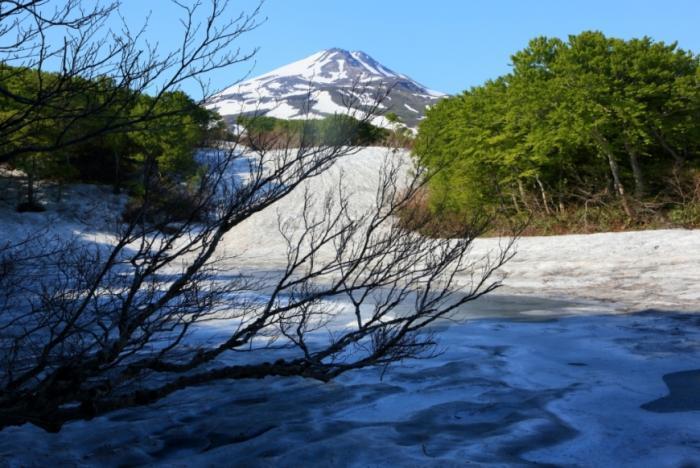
<point>87,328</point>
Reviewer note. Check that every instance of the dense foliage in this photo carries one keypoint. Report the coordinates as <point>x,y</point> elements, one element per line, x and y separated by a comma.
<point>584,133</point>
<point>331,130</point>
<point>113,157</point>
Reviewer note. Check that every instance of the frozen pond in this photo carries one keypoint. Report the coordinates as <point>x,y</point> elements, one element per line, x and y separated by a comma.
<point>589,390</point>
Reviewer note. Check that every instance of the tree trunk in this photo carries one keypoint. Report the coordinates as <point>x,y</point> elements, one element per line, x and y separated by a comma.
<point>639,184</point>
<point>615,171</point>
<point>544,196</point>
<point>619,187</point>
<point>523,196</point>
<point>515,202</point>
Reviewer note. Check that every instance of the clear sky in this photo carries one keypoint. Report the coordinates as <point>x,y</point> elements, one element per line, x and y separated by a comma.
<point>447,45</point>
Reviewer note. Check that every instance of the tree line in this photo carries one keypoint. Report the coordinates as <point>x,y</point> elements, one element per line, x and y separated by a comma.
<point>113,157</point>
<point>589,133</point>
<point>331,130</point>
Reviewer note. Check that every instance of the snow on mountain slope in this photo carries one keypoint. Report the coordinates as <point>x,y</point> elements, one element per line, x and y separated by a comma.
<point>318,86</point>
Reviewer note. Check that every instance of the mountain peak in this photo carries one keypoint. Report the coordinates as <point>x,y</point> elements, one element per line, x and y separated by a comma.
<point>329,74</point>
<point>340,50</point>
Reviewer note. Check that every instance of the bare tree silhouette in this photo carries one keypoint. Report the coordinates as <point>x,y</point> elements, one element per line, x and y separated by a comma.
<point>86,328</point>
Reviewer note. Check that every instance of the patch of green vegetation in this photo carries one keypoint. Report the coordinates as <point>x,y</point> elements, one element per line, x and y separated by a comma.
<point>592,133</point>
<point>333,130</point>
<point>117,157</point>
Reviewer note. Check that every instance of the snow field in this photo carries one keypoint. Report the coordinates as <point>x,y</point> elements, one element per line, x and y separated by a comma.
<point>554,368</point>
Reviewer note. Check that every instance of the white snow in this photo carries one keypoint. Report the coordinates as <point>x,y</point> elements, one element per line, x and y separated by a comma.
<point>341,69</point>
<point>553,368</point>
<point>434,93</point>
<point>381,121</point>
<point>359,57</point>
<point>635,269</point>
<point>326,68</point>
<point>311,68</point>
<point>282,110</point>
<point>324,104</point>
<point>308,68</point>
<point>235,107</point>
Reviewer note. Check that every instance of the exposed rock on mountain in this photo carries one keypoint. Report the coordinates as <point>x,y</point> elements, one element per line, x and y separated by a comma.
<point>318,86</point>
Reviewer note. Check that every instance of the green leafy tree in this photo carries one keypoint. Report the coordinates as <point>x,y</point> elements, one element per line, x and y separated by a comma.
<point>577,121</point>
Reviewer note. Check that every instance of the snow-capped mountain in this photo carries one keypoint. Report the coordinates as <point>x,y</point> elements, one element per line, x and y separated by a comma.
<point>318,86</point>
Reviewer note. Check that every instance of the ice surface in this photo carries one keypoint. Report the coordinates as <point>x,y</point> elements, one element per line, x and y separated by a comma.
<point>563,392</point>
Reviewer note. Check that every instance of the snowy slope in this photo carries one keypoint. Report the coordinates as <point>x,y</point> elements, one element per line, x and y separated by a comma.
<point>318,86</point>
<point>549,370</point>
<point>634,269</point>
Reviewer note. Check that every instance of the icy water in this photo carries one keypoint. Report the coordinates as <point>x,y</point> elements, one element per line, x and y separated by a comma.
<point>586,390</point>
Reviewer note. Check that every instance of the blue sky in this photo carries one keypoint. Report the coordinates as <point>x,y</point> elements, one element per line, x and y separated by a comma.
<point>448,45</point>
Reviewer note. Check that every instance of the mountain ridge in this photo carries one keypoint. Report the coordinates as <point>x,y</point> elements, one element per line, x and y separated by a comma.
<point>318,86</point>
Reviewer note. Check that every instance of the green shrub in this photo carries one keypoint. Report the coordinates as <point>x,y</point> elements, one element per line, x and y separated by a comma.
<point>687,215</point>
